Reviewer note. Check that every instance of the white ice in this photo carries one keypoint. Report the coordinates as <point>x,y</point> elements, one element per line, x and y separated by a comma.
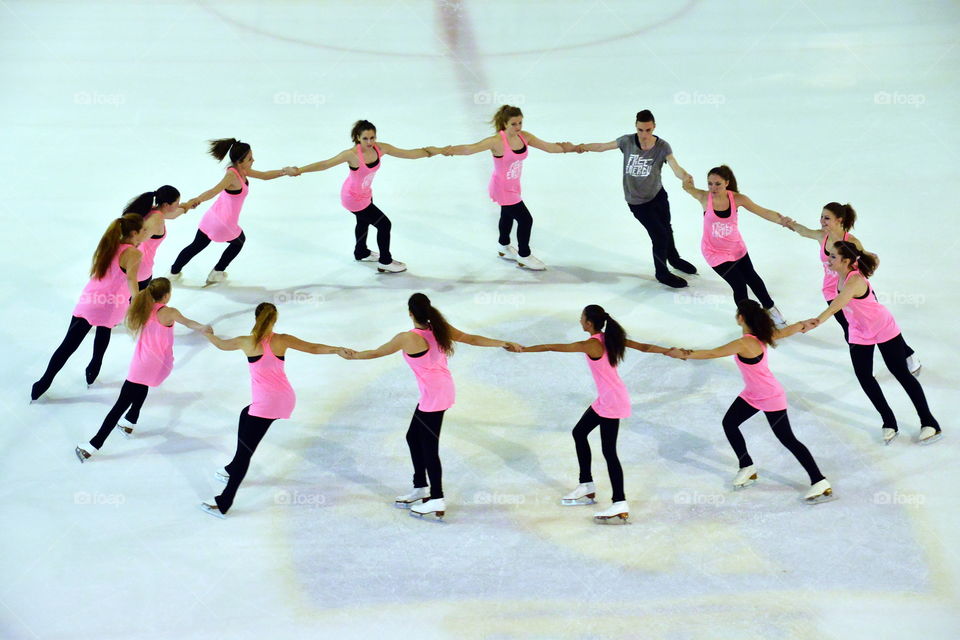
<point>808,101</point>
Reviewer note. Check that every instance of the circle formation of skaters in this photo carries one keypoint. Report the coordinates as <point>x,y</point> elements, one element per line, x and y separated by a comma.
<point>122,288</point>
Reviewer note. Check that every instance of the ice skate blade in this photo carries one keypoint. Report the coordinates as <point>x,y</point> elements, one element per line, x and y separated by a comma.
<point>931,439</point>
<point>887,441</point>
<point>576,502</point>
<point>434,516</point>
<point>743,485</point>
<point>221,476</point>
<point>126,431</point>
<point>212,510</point>
<point>529,268</point>
<point>620,518</point>
<point>826,496</point>
<point>80,455</point>
<point>400,504</point>
<point>916,372</point>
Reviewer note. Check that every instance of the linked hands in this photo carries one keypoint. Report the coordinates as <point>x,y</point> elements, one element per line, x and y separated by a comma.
<point>678,353</point>
<point>809,324</point>
<point>291,171</point>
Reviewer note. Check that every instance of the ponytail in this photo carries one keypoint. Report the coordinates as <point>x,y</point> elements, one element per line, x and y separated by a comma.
<point>237,150</point>
<point>142,204</point>
<point>120,229</point>
<point>844,213</point>
<point>426,314</point>
<point>758,320</point>
<point>859,260</point>
<point>266,315</point>
<point>503,114</point>
<point>614,337</point>
<point>142,305</point>
<point>726,173</point>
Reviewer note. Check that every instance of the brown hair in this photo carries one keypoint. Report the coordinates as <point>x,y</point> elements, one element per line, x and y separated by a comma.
<point>645,116</point>
<point>844,213</point>
<point>859,260</point>
<point>266,315</point>
<point>142,305</point>
<point>144,203</point>
<point>359,127</point>
<point>504,113</point>
<point>425,313</point>
<point>758,320</point>
<point>726,173</point>
<point>614,337</point>
<point>237,150</point>
<point>119,230</point>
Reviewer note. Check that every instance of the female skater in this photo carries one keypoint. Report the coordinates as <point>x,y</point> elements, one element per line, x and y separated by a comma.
<point>762,392</point>
<point>604,351</point>
<point>273,397</point>
<point>722,245</point>
<point>356,194</point>
<point>872,324</point>
<point>509,148</point>
<point>104,300</point>
<point>151,318</point>
<point>220,222</point>
<point>156,207</point>
<point>425,348</point>
<point>836,220</point>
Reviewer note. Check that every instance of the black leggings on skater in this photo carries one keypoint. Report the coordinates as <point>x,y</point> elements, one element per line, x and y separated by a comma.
<point>423,438</point>
<point>200,242</point>
<point>740,274</point>
<point>894,355</point>
<point>76,332</point>
<point>131,400</point>
<point>250,432</point>
<point>842,321</point>
<point>655,218</point>
<point>520,213</point>
<point>372,216</point>
<point>740,411</point>
<point>609,427</point>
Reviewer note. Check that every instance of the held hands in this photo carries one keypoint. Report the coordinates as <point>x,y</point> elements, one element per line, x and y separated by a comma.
<point>809,324</point>
<point>291,171</point>
<point>512,346</point>
<point>345,353</point>
<point>678,353</point>
<point>447,150</point>
<point>432,151</point>
<point>206,330</point>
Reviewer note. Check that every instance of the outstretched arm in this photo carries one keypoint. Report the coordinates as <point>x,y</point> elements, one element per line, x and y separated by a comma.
<point>728,349</point>
<point>854,286</point>
<point>295,343</point>
<point>409,154</point>
<point>549,147</point>
<point>591,347</point>
<point>323,165</point>
<point>265,175</point>
<point>786,332</point>
<point>176,316</point>
<point>599,146</point>
<point>481,341</point>
<point>698,194</point>
<point>395,344</point>
<point>753,207</point>
<point>646,348</point>
<point>678,171</point>
<point>228,178</point>
<point>230,344</point>
<point>469,149</point>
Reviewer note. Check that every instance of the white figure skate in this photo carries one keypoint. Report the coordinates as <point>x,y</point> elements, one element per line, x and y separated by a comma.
<point>929,435</point>
<point>84,452</point>
<point>373,257</point>
<point>212,509</point>
<point>419,494</point>
<point>585,493</point>
<point>125,427</point>
<point>820,492</point>
<point>215,277</point>
<point>530,262</point>
<point>393,267</point>
<point>777,317</point>
<point>222,475</point>
<point>889,435</point>
<point>435,508</point>
<point>507,252</point>
<point>617,513</point>
<point>745,477</point>
<point>913,364</point>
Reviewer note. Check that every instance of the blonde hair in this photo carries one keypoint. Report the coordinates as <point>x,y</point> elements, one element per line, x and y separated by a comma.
<point>266,315</point>
<point>142,305</point>
<point>503,114</point>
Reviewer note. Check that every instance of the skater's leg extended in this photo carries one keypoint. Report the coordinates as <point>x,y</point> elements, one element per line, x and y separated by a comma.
<point>250,432</point>
<point>781,428</point>
<point>609,428</point>
<point>738,413</point>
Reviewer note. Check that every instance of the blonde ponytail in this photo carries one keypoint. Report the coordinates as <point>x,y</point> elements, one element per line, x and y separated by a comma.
<point>142,305</point>
<point>266,315</point>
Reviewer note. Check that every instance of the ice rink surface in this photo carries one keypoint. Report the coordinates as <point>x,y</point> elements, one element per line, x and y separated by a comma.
<point>808,102</point>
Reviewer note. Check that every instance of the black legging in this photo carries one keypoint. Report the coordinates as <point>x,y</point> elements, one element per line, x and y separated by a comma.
<point>250,431</point>
<point>740,411</point>
<point>518,212</point>
<point>740,274</point>
<point>423,438</point>
<point>372,215</point>
<point>842,320</point>
<point>131,397</point>
<point>655,218</point>
<point>895,357</point>
<point>609,427</point>
<point>200,242</point>
<point>76,332</point>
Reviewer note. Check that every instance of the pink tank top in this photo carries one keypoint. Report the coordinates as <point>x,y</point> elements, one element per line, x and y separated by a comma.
<point>104,302</point>
<point>870,322</point>
<point>437,392</point>
<point>761,390</point>
<point>149,250</point>
<point>505,182</point>
<point>830,277</point>
<point>273,397</point>
<point>221,221</point>
<point>356,193</point>
<point>612,401</point>
<point>721,240</point>
<point>153,356</point>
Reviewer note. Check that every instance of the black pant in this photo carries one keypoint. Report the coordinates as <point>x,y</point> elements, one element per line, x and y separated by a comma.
<point>371,215</point>
<point>423,438</point>
<point>740,274</point>
<point>894,354</point>
<point>655,218</point>
<point>609,427</point>
<point>740,411</point>
<point>250,432</point>
<point>76,332</point>
<point>200,242</point>
<point>131,397</point>
<point>520,213</point>
<point>842,320</point>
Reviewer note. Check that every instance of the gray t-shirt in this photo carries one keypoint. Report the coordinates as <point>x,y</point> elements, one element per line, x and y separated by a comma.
<point>641,169</point>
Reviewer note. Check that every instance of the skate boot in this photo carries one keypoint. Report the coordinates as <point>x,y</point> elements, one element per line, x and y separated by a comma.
<point>222,475</point>
<point>216,277</point>
<point>913,364</point>
<point>745,477</point>
<point>435,508</point>
<point>373,257</point>
<point>682,265</point>
<point>175,277</point>
<point>84,451</point>
<point>530,262</point>
<point>929,435</point>
<point>507,252</point>
<point>212,509</point>
<point>419,494</point>
<point>777,317</point>
<point>125,427</point>
<point>675,282</point>
<point>617,513</point>
<point>820,492</point>
<point>583,494</point>
<point>889,435</point>
<point>393,267</point>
